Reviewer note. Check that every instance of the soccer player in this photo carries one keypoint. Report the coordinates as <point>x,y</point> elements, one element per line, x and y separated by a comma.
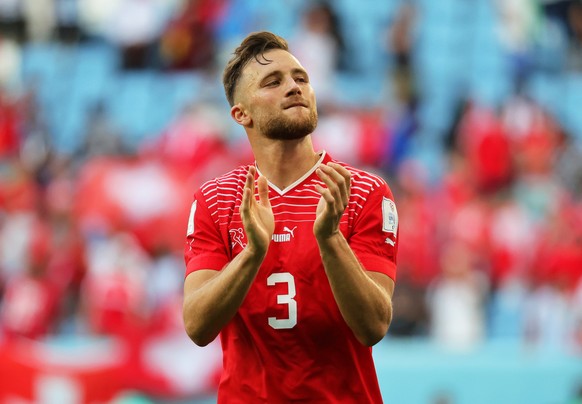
<point>292,259</point>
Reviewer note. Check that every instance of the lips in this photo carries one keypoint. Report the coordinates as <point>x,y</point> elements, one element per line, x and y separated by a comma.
<point>295,104</point>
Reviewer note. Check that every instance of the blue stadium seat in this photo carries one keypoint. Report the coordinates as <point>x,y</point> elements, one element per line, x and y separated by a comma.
<point>127,101</point>
<point>571,105</point>
<point>170,93</point>
<point>96,64</point>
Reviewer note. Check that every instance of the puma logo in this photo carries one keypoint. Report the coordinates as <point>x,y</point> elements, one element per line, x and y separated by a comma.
<point>284,237</point>
<point>290,230</point>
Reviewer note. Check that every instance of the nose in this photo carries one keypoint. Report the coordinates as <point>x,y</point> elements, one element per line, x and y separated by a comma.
<point>292,88</point>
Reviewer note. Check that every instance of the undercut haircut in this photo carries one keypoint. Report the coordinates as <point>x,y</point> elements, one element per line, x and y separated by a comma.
<point>254,46</point>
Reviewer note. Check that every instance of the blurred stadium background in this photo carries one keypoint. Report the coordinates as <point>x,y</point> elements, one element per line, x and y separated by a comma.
<point>112,112</point>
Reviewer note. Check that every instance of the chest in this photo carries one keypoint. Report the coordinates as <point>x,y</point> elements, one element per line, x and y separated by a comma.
<point>291,289</point>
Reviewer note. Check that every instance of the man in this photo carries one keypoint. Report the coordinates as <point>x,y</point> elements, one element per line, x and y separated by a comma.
<point>298,283</point>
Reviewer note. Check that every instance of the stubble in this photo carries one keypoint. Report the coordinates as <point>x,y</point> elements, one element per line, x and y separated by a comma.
<point>281,127</point>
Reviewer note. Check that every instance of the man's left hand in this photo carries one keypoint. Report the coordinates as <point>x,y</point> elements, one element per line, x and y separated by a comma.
<point>334,199</point>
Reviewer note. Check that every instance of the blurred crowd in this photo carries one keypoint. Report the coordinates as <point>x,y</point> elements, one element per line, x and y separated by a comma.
<point>489,190</point>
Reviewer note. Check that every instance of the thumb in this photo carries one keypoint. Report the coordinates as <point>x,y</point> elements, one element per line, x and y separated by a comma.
<point>263,191</point>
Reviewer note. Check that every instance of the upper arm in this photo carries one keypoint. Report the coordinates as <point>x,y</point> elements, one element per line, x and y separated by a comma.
<point>205,246</point>
<point>193,312</point>
<point>383,280</point>
<point>374,238</point>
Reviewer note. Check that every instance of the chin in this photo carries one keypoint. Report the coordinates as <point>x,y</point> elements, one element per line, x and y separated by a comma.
<point>286,128</point>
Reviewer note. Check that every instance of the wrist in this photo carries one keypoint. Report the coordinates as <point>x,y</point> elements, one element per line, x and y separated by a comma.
<point>329,239</point>
<point>255,254</point>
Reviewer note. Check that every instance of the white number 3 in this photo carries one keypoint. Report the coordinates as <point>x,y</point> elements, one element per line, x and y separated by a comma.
<point>291,321</point>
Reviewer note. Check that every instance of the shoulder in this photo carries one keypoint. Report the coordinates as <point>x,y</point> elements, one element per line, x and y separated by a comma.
<point>364,180</point>
<point>232,180</point>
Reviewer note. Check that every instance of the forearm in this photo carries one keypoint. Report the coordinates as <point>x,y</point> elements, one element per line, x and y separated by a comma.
<point>210,305</point>
<point>364,304</point>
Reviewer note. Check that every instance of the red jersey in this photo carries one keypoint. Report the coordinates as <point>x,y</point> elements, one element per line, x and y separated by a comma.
<point>288,341</point>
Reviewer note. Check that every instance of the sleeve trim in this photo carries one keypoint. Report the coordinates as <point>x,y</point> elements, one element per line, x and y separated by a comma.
<point>376,263</point>
<point>207,261</point>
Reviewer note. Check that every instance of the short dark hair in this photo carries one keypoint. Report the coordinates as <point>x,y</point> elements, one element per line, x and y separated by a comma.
<point>253,46</point>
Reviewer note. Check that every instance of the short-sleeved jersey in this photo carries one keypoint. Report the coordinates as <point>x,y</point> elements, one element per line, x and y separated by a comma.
<point>288,341</point>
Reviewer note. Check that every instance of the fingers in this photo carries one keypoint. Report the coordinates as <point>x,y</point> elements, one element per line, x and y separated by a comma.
<point>337,179</point>
<point>326,195</point>
<point>248,190</point>
<point>264,191</point>
<point>250,179</point>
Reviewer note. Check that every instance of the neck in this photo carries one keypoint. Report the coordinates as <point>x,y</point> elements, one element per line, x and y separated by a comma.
<point>284,162</point>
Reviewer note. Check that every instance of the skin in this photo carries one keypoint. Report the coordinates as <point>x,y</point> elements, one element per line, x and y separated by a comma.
<point>281,89</point>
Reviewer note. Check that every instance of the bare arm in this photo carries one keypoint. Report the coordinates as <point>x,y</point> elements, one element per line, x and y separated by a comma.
<point>363,297</point>
<point>212,298</point>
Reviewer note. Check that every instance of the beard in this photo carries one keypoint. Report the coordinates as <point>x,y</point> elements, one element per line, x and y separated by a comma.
<point>282,127</point>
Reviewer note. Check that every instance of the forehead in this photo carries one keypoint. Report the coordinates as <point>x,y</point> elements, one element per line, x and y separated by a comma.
<point>271,61</point>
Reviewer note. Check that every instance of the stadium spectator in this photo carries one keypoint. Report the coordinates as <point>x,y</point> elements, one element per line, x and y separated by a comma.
<point>40,19</point>
<point>135,26</point>
<point>575,50</point>
<point>9,125</point>
<point>319,45</point>
<point>12,20</point>
<point>31,300</point>
<point>456,299</point>
<point>11,57</point>
<point>188,41</point>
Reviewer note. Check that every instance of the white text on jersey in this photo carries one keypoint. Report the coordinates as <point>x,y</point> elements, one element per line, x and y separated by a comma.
<point>284,237</point>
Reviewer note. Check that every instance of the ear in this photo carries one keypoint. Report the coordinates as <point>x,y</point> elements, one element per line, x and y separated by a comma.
<point>240,115</point>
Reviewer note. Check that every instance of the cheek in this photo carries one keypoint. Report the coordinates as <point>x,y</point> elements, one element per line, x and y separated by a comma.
<point>263,106</point>
<point>258,113</point>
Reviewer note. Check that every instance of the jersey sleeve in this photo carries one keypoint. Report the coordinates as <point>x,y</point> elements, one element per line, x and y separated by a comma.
<point>205,247</point>
<point>374,239</point>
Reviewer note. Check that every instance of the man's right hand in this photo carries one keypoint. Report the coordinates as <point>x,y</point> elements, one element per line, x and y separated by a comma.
<point>257,216</point>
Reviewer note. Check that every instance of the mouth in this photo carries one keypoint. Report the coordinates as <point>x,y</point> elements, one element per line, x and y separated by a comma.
<point>295,104</point>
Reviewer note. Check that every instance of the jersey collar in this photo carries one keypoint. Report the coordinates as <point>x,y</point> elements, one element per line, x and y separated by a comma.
<point>322,160</point>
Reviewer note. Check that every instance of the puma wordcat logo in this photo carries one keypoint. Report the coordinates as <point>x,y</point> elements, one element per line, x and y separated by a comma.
<point>284,237</point>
